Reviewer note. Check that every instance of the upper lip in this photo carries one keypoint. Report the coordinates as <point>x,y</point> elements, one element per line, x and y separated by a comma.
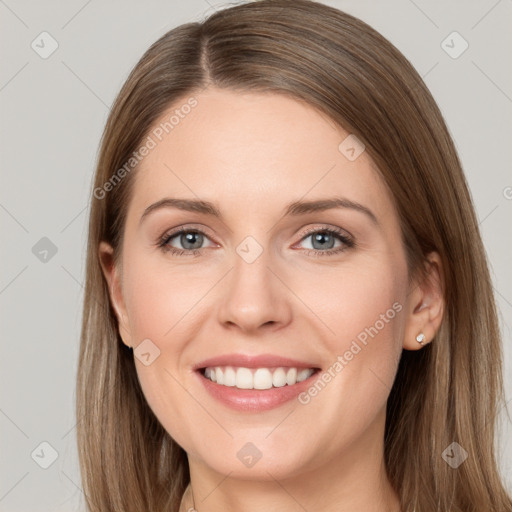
<point>251,361</point>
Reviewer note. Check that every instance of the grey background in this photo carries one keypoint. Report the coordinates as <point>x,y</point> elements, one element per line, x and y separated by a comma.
<point>52,114</point>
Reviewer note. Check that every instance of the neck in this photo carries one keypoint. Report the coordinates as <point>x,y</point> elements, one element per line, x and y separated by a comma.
<point>353,480</point>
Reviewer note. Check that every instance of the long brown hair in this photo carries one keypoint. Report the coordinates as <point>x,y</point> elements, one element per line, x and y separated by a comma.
<point>450,391</point>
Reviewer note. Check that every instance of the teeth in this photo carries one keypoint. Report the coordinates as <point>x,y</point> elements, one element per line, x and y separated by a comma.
<point>244,378</point>
<point>258,378</point>
<point>291,376</point>
<point>229,377</point>
<point>302,375</point>
<point>262,379</point>
<point>279,378</point>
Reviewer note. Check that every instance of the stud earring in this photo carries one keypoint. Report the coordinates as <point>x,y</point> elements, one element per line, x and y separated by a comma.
<point>420,338</point>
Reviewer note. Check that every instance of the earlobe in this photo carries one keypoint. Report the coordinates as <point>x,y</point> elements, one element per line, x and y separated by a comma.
<point>425,305</point>
<point>111,273</point>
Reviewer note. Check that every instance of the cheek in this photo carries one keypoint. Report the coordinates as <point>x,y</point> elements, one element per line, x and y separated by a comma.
<point>358,303</point>
<point>159,304</point>
<point>364,310</point>
<point>159,298</point>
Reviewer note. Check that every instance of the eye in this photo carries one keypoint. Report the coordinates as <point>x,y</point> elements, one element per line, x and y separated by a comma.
<point>190,239</point>
<point>323,241</point>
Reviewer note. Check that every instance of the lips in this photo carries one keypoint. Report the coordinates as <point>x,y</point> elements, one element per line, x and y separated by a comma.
<point>259,361</point>
<point>255,383</point>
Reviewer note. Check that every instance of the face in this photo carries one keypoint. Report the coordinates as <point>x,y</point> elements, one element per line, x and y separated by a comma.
<point>297,311</point>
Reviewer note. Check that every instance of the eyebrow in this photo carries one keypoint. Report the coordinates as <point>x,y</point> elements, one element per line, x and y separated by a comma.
<point>295,208</point>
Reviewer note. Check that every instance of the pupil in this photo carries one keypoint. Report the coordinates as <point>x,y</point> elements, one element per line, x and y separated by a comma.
<point>320,237</point>
<point>189,238</point>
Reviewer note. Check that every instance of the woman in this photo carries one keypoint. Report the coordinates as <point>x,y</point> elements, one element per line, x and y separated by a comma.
<point>329,339</point>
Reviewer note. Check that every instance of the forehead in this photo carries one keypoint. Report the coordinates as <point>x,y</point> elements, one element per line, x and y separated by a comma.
<point>251,150</point>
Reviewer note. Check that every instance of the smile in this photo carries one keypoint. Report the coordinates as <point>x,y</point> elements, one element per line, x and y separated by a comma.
<point>255,383</point>
<point>257,378</point>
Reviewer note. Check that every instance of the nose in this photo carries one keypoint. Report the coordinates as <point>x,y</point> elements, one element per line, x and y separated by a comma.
<point>254,296</point>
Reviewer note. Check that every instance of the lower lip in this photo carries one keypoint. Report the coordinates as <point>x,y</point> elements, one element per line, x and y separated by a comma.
<point>255,399</point>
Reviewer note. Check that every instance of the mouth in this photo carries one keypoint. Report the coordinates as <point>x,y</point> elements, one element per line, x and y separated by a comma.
<point>255,384</point>
<point>256,378</point>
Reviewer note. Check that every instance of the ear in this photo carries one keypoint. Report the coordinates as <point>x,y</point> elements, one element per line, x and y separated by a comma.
<point>426,304</point>
<point>113,277</point>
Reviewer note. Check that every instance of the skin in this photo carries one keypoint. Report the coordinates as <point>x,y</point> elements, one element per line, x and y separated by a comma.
<point>252,154</point>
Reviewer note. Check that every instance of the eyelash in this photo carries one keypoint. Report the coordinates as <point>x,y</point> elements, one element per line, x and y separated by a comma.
<point>348,243</point>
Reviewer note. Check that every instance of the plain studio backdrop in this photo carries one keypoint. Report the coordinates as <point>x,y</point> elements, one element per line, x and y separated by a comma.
<point>62,64</point>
